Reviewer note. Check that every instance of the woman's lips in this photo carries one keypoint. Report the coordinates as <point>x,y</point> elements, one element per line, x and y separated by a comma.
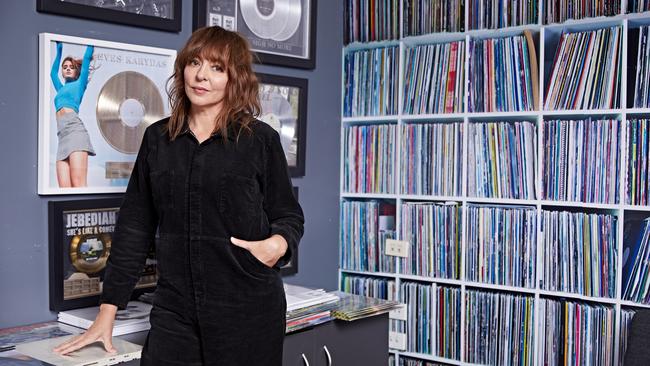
<point>199,91</point>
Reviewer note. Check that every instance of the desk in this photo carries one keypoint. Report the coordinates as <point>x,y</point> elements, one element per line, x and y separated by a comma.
<point>361,342</point>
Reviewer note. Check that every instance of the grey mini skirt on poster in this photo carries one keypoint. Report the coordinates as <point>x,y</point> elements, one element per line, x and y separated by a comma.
<point>73,136</point>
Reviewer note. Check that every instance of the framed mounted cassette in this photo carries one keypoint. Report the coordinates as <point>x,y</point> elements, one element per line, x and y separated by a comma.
<point>284,107</point>
<point>156,14</point>
<point>96,98</point>
<point>80,237</point>
<point>281,32</point>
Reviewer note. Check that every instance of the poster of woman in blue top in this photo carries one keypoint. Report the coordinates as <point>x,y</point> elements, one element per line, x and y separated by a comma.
<point>74,142</point>
<point>96,99</point>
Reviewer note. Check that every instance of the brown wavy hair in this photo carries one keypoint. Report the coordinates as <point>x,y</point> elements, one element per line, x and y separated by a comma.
<point>241,103</point>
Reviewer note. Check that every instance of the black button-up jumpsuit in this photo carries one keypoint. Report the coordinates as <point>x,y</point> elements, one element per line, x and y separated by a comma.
<point>215,303</point>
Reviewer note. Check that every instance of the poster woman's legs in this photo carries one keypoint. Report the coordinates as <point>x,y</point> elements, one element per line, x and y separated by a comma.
<point>73,171</point>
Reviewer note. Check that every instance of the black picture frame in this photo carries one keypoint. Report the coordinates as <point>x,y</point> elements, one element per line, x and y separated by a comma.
<point>291,267</point>
<point>298,144</point>
<point>77,225</point>
<point>267,50</point>
<point>113,16</point>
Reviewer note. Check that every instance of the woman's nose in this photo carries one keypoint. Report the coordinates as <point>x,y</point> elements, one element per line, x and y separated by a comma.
<point>201,72</point>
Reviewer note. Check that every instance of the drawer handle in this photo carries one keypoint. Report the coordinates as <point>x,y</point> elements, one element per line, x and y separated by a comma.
<point>329,357</point>
<point>304,359</point>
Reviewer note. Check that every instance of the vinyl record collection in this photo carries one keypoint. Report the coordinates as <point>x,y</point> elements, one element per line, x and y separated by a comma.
<point>581,160</point>
<point>434,235</point>
<point>371,20</point>
<point>636,270</point>
<point>638,162</point>
<point>530,155</point>
<point>586,71</point>
<point>381,288</point>
<point>500,75</point>
<point>429,16</point>
<point>434,78</point>
<point>642,79</point>
<point>370,87</point>
<point>431,159</point>
<point>638,6</point>
<point>500,328</point>
<point>492,14</point>
<point>369,158</point>
<point>502,157</point>
<point>576,333</point>
<point>365,227</point>
<point>579,253</point>
<point>501,245</point>
<point>433,319</point>
<point>626,321</point>
<point>558,11</point>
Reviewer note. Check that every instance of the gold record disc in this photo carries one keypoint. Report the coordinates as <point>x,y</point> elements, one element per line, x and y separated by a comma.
<point>127,104</point>
<point>88,253</point>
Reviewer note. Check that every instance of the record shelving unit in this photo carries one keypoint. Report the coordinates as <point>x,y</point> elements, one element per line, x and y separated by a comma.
<point>546,41</point>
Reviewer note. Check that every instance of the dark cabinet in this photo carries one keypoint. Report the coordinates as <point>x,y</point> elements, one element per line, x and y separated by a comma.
<point>339,343</point>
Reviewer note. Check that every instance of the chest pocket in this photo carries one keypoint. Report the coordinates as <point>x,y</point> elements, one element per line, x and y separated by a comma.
<point>162,188</point>
<point>239,204</point>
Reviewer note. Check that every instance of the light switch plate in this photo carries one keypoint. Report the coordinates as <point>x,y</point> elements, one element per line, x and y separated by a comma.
<point>397,248</point>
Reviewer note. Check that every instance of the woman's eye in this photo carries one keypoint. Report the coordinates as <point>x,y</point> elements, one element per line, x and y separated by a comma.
<point>194,62</point>
<point>217,68</point>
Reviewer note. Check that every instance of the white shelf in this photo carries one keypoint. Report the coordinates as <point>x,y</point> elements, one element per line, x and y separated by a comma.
<point>369,195</point>
<point>501,201</point>
<point>605,206</point>
<point>481,285</point>
<point>636,208</point>
<point>546,37</point>
<point>423,356</point>
<point>370,119</point>
<point>569,295</point>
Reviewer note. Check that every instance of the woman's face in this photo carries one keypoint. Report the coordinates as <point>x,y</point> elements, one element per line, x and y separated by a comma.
<point>205,83</point>
<point>69,70</point>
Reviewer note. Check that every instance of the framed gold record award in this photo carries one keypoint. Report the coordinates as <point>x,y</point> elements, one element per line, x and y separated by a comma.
<point>281,32</point>
<point>80,239</point>
<point>96,98</point>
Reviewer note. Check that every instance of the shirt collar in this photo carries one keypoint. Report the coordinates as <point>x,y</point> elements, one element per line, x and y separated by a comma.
<point>231,132</point>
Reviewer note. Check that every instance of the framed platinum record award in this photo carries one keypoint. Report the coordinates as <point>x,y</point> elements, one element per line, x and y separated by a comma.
<point>284,107</point>
<point>80,239</point>
<point>96,98</point>
<point>281,32</point>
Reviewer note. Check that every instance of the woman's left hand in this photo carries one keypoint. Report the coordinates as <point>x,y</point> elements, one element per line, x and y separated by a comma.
<point>267,251</point>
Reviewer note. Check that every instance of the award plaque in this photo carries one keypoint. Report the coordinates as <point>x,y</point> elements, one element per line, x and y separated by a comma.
<point>80,242</point>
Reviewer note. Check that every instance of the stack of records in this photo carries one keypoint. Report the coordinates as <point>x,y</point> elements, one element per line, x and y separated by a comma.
<point>352,307</point>
<point>135,318</point>
<point>307,307</point>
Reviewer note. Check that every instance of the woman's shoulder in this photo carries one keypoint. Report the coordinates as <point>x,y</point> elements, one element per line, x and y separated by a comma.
<point>157,128</point>
<point>262,130</point>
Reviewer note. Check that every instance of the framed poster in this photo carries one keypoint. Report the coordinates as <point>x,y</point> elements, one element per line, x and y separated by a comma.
<point>156,14</point>
<point>281,32</point>
<point>80,237</point>
<point>96,98</point>
<point>291,267</point>
<point>284,107</point>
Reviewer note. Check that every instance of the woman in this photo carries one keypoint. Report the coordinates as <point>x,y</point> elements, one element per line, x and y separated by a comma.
<point>213,181</point>
<point>74,141</point>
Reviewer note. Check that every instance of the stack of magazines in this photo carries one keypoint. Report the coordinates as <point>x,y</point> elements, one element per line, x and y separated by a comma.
<point>135,318</point>
<point>307,307</point>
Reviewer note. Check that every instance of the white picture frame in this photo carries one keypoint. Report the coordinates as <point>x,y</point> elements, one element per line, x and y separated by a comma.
<point>133,77</point>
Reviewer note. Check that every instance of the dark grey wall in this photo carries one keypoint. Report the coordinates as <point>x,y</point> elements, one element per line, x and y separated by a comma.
<point>23,214</point>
